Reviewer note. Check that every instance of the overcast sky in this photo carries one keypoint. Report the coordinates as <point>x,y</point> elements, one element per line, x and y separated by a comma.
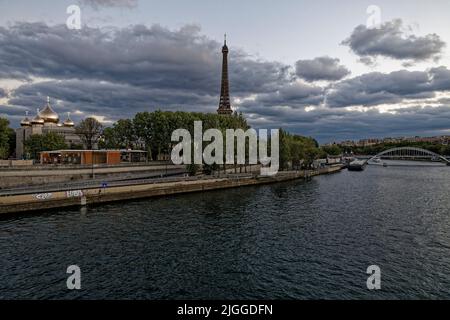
<point>327,69</point>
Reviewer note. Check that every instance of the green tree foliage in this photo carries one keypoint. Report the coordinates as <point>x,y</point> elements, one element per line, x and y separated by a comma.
<point>333,150</point>
<point>6,139</point>
<point>297,151</point>
<point>154,129</point>
<point>90,131</point>
<point>37,143</point>
<point>120,136</point>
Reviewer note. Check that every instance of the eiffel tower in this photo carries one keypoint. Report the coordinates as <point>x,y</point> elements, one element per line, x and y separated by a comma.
<point>224,104</point>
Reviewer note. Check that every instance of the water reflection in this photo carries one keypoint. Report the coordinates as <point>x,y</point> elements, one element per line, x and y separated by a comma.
<point>296,240</point>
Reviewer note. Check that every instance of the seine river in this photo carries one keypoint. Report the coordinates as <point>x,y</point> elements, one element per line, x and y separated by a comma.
<point>296,240</point>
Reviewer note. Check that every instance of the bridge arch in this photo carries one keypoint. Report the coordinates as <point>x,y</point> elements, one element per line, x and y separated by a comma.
<point>409,152</point>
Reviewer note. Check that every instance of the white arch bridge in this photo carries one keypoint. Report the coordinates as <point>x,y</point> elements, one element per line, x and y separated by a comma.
<point>409,153</point>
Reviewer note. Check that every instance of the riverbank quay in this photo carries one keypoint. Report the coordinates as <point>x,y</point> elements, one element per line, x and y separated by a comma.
<point>36,175</point>
<point>127,190</point>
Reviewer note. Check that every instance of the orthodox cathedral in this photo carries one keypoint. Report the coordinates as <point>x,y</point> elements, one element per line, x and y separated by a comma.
<point>44,122</point>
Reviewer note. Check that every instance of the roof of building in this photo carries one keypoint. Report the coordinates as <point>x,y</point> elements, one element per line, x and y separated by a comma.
<point>48,114</point>
<point>38,119</point>
<point>25,122</point>
<point>68,122</point>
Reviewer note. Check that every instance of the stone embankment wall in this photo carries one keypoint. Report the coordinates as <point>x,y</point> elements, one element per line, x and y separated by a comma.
<point>39,201</point>
<point>40,175</point>
<point>15,163</point>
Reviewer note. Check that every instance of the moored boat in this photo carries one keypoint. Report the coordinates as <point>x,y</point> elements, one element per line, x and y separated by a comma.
<point>357,165</point>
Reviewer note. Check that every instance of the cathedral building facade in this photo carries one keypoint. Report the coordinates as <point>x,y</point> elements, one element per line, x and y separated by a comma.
<point>44,122</point>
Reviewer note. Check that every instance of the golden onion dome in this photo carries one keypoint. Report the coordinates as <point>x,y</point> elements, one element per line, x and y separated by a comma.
<point>38,119</point>
<point>68,122</point>
<point>48,114</point>
<point>25,122</point>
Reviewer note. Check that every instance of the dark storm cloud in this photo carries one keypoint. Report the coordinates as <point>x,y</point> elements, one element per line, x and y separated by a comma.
<point>390,40</point>
<point>96,4</point>
<point>118,72</point>
<point>146,57</point>
<point>282,109</point>
<point>2,93</point>
<point>115,101</point>
<point>329,125</point>
<point>294,95</point>
<point>249,76</point>
<point>440,78</point>
<point>13,113</point>
<point>377,88</point>
<point>322,68</point>
<point>137,55</point>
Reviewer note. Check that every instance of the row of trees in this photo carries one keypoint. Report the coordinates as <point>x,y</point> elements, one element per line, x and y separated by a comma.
<point>152,131</point>
<point>298,151</point>
<point>45,142</point>
<point>7,139</point>
<point>147,130</point>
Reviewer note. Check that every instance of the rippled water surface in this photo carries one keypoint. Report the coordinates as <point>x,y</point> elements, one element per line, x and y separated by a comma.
<point>296,240</point>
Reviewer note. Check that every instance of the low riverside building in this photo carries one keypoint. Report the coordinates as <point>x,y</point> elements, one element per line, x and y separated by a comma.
<point>45,121</point>
<point>334,159</point>
<point>93,157</point>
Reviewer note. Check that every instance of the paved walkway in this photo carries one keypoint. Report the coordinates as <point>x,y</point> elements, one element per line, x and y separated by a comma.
<point>84,184</point>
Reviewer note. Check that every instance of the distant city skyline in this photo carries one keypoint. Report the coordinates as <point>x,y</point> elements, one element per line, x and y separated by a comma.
<point>444,140</point>
<point>314,68</point>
